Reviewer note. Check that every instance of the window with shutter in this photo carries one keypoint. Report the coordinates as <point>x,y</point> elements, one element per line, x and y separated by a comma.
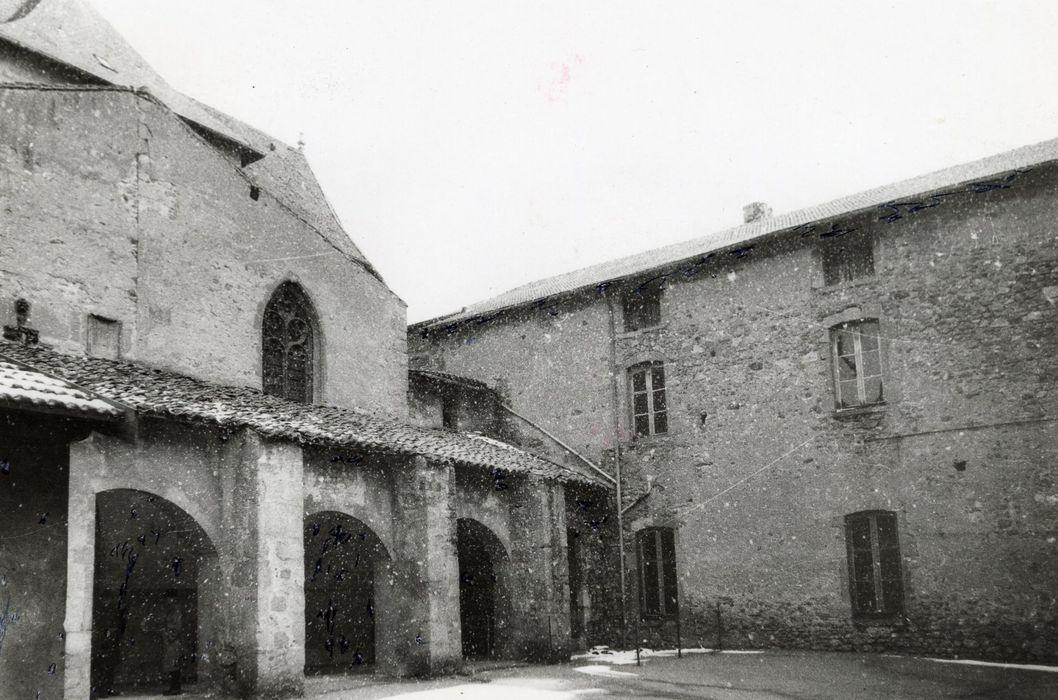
<point>876,582</point>
<point>656,554</point>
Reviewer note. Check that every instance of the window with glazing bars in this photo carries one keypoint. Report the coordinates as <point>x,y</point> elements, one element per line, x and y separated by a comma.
<point>876,581</point>
<point>288,337</point>
<point>649,407</point>
<point>656,554</point>
<point>856,350</point>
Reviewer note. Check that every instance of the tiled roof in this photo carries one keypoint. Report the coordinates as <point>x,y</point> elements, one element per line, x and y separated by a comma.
<point>891,201</point>
<point>73,33</point>
<point>22,388</point>
<point>165,394</point>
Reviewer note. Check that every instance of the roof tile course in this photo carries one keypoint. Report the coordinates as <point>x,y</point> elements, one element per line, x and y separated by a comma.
<point>24,388</point>
<point>165,394</point>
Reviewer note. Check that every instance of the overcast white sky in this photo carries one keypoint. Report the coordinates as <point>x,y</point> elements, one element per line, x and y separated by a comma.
<point>470,147</point>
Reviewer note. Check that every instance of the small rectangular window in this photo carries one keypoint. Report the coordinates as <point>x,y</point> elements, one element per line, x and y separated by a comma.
<point>104,337</point>
<point>656,549</point>
<point>876,582</point>
<point>649,404</point>
<point>642,307</point>
<point>847,257</point>
<point>856,352</point>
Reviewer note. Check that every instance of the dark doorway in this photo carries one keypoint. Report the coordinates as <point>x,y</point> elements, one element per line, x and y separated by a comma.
<point>574,553</point>
<point>149,559</point>
<point>341,556</point>
<point>480,556</point>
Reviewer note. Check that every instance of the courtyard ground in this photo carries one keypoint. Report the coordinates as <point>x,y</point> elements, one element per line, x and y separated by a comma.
<point>769,675</point>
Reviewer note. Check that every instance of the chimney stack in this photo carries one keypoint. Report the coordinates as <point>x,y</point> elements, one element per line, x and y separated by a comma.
<point>755,211</point>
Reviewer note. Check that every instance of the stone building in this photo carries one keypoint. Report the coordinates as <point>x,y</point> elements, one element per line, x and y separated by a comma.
<point>833,428</point>
<point>206,448</point>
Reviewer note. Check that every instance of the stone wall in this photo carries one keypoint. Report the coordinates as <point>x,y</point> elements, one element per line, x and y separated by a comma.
<point>757,469</point>
<point>143,222</point>
<point>550,362</point>
<point>33,458</point>
<point>474,410</point>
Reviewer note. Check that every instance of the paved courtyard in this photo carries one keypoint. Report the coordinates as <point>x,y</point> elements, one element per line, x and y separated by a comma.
<point>771,675</point>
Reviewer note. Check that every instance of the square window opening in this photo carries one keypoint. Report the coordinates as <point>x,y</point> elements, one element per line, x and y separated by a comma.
<point>847,258</point>
<point>642,307</point>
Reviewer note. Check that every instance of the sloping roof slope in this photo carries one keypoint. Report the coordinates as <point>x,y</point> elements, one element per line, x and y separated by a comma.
<point>73,33</point>
<point>449,378</point>
<point>164,394</point>
<point>286,174</point>
<point>892,201</point>
<point>22,388</point>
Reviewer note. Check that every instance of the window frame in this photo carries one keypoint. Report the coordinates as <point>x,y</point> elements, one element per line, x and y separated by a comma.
<point>647,369</point>
<point>639,304</point>
<point>851,326</point>
<point>295,294</point>
<point>663,580</point>
<point>93,347</point>
<point>884,589</point>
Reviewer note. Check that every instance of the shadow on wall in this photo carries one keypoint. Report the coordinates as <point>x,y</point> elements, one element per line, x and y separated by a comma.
<point>484,592</point>
<point>347,568</point>
<point>154,586</point>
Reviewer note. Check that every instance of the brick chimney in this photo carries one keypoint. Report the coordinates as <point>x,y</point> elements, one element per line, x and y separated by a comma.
<point>755,211</point>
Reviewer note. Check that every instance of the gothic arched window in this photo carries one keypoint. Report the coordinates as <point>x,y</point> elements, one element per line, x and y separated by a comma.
<point>288,339</point>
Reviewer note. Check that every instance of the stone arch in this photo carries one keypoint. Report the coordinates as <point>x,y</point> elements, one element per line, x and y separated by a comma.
<point>204,513</point>
<point>155,593</point>
<point>350,618</point>
<point>484,591</point>
<point>492,519</point>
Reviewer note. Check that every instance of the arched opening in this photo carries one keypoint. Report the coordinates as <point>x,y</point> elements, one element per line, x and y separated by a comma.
<point>155,569</point>
<point>346,567</point>
<point>484,598</point>
<point>289,340</point>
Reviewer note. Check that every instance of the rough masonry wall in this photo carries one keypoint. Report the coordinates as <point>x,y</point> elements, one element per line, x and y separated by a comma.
<point>961,292</point>
<point>145,223</point>
<point>354,483</point>
<point>474,410</point>
<point>550,363</point>
<point>757,471</point>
